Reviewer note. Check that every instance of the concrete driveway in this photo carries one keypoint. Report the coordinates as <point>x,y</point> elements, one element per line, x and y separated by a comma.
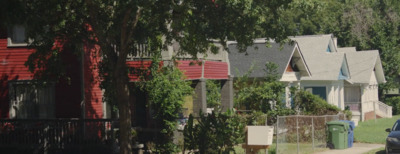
<point>358,148</point>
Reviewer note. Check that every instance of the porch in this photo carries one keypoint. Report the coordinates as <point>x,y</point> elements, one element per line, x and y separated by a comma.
<point>57,136</point>
<point>369,110</point>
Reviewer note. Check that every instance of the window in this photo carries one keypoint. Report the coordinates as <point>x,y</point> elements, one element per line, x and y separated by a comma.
<point>29,101</point>
<point>328,49</point>
<point>16,36</point>
<point>396,126</point>
<point>342,73</point>
<point>320,91</point>
<point>293,64</point>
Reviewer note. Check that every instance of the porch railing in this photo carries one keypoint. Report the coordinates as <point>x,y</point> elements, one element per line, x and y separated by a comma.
<point>55,135</point>
<point>354,106</point>
<point>383,109</point>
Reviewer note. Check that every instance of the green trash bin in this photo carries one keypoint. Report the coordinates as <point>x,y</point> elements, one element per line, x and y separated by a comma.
<point>337,134</point>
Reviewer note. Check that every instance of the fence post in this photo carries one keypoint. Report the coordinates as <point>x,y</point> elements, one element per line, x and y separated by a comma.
<point>277,125</point>
<point>375,110</point>
<point>266,124</point>
<point>312,129</point>
<point>297,130</point>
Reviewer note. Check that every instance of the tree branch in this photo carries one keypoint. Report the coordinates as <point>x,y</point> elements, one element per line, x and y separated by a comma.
<point>132,30</point>
<point>126,34</point>
<point>92,22</point>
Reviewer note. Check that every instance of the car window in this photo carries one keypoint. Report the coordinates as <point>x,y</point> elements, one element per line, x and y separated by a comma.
<point>396,126</point>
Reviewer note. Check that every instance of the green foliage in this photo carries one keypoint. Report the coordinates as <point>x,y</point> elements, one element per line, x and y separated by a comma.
<point>257,94</point>
<point>166,90</point>
<point>348,113</point>
<point>213,93</point>
<point>310,104</point>
<point>115,29</point>
<point>279,111</point>
<point>216,133</point>
<point>395,103</point>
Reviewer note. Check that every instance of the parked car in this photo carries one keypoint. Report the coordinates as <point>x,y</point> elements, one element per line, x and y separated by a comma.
<point>393,139</point>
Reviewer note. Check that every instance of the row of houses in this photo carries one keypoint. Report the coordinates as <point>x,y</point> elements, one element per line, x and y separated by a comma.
<point>341,76</point>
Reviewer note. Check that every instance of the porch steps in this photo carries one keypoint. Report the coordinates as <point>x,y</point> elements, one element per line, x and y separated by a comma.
<point>356,117</point>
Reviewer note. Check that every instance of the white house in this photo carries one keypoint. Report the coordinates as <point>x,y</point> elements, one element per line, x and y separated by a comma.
<point>344,76</point>
<point>328,67</point>
<point>361,92</point>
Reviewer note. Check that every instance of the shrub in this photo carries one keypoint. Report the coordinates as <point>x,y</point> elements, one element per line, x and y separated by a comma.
<point>215,133</point>
<point>311,104</point>
<point>394,102</point>
<point>348,114</point>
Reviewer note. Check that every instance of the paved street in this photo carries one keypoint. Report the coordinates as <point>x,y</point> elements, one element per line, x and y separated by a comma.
<point>358,148</point>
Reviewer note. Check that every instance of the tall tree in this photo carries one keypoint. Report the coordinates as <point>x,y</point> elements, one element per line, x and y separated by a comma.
<point>117,26</point>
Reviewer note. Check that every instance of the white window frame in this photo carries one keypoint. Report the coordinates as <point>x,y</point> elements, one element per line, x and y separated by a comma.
<point>15,103</point>
<point>10,42</point>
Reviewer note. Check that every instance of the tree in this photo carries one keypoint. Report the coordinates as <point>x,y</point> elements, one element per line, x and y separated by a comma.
<point>257,94</point>
<point>116,27</point>
<point>213,94</point>
<point>166,90</point>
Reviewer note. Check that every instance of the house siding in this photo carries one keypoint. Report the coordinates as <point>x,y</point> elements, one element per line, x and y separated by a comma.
<point>137,65</point>
<point>334,91</point>
<point>93,93</point>
<point>12,67</point>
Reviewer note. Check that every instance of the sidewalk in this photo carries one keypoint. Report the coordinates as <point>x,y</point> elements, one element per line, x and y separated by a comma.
<point>358,148</point>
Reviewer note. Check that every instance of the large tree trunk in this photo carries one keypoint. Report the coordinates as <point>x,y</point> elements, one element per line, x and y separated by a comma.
<point>124,109</point>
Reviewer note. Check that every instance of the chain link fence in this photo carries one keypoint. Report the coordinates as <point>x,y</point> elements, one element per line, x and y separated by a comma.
<point>302,134</point>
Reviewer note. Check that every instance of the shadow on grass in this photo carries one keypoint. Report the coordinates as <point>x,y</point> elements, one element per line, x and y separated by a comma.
<point>380,152</point>
<point>377,151</point>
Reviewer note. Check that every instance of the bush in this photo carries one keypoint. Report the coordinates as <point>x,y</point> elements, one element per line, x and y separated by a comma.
<point>348,113</point>
<point>394,102</point>
<point>311,104</point>
<point>215,133</point>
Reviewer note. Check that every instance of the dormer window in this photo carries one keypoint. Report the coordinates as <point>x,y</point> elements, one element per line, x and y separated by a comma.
<point>328,49</point>
<point>16,36</point>
<point>294,66</point>
<point>342,75</point>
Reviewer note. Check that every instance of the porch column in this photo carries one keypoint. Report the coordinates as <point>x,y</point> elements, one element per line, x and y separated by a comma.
<point>227,94</point>
<point>200,101</point>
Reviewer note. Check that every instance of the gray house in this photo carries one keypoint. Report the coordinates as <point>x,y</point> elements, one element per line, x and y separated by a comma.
<point>288,57</point>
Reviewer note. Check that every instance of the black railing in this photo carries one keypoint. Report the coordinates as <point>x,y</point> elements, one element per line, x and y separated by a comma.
<point>57,135</point>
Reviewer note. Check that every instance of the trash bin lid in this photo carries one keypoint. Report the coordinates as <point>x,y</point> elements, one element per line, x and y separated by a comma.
<point>351,124</point>
<point>338,123</point>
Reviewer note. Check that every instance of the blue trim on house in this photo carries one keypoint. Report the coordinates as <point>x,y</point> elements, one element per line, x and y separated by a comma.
<point>342,76</point>
<point>328,49</point>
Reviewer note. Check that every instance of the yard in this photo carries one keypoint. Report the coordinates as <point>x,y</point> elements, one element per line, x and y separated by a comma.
<point>287,148</point>
<point>373,131</point>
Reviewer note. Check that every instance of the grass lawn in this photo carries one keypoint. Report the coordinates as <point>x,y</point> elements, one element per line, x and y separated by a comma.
<point>286,148</point>
<point>372,131</point>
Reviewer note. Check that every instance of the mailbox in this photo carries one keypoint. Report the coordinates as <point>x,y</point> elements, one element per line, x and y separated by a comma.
<point>259,135</point>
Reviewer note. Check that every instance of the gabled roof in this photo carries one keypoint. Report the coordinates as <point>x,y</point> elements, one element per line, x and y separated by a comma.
<point>322,64</point>
<point>362,64</point>
<point>347,49</point>
<point>258,55</point>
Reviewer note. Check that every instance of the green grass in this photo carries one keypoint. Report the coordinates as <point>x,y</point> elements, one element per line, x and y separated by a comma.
<point>376,151</point>
<point>373,131</point>
<point>286,148</point>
